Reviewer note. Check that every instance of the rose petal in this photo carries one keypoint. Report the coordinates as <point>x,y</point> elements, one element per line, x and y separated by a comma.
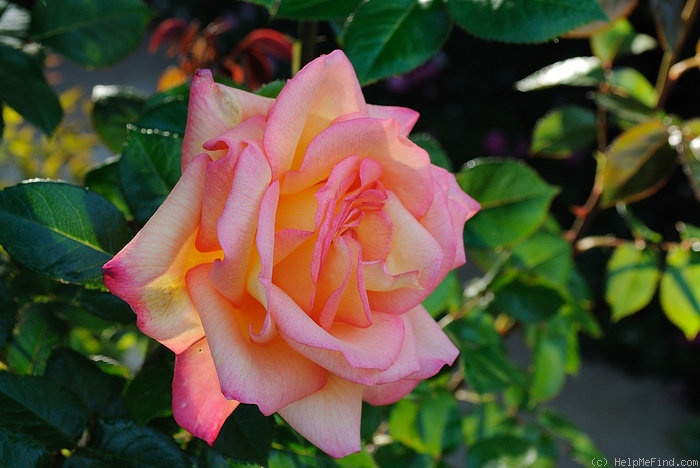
<point>270,375</point>
<point>149,273</point>
<point>236,227</point>
<point>198,404</point>
<point>386,394</point>
<point>213,109</point>
<point>329,418</point>
<point>435,348</point>
<point>405,166</point>
<point>322,91</point>
<point>405,117</point>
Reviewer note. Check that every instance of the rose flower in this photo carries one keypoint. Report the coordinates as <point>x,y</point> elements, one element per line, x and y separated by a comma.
<point>287,267</point>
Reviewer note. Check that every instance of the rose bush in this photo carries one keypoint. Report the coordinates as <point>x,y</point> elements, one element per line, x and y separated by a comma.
<point>287,267</point>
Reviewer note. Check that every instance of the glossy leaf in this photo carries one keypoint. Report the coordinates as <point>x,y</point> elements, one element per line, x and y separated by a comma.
<point>632,83</point>
<point>311,9</point>
<point>105,306</point>
<point>90,33</point>
<point>487,367</point>
<point>637,163</point>
<point>502,451</point>
<point>389,38</point>
<point>524,20</point>
<point>564,131</point>
<point>61,230</point>
<point>125,443</point>
<point>99,393</point>
<point>514,201</point>
<point>607,44</point>
<point>149,168</point>
<point>427,425</point>
<point>614,10</point>
<point>577,71</point>
<point>679,294</point>
<point>113,107</point>
<point>166,111</point>
<point>527,298</point>
<point>104,180</point>
<point>18,449</point>
<point>38,332</point>
<point>632,277</point>
<point>246,435</point>
<point>23,88</point>
<point>545,253</point>
<point>37,407</point>
<point>626,111</point>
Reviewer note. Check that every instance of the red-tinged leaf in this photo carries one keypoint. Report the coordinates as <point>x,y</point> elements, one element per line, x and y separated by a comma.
<point>637,163</point>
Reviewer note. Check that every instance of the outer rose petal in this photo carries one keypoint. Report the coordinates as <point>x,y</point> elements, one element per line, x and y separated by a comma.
<point>149,273</point>
<point>214,108</point>
<point>405,117</point>
<point>330,418</point>
<point>269,375</point>
<point>198,404</point>
<point>323,90</point>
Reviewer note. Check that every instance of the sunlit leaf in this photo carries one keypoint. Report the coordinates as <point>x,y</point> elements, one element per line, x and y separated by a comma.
<point>564,131</point>
<point>631,279</point>
<point>113,108</point>
<point>62,230</point>
<point>527,298</point>
<point>618,40</point>
<point>91,33</point>
<point>502,451</point>
<point>679,294</point>
<point>614,10</point>
<point>577,71</point>
<point>514,201</point>
<point>545,253</point>
<point>149,168</point>
<point>637,164</point>
<point>23,88</point>
<point>44,411</point>
<point>389,38</point>
<point>524,20</point>
<point>635,85</point>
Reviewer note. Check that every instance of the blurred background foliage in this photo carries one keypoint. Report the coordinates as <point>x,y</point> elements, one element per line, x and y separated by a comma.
<point>574,124</point>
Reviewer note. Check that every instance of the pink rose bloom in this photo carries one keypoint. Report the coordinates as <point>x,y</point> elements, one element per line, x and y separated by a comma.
<point>287,267</point>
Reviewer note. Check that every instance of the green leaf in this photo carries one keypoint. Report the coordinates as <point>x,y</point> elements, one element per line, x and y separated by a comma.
<point>311,9</point>
<point>38,331</point>
<point>18,449</point>
<point>446,297</point>
<point>104,180</point>
<point>577,71</point>
<point>632,277</point>
<point>437,153</point>
<point>113,107</point>
<point>635,84</point>
<point>91,33</point>
<point>486,365</point>
<point>246,435</point>
<point>626,110</point>
<point>427,425</point>
<point>61,230</point>
<point>149,394</point>
<point>502,451</point>
<point>514,201</point>
<point>549,363</point>
<point>125,443</point>
<point>100,393</point>
<point>271,89</point>
<point>545,253</point>
<point>389,38</point>
<point>606,44</point>
<point>527,298</point>
<point>583,449</point>
<point>8,311</point>
<point>149,168</point>
<point>564,131</point>
<point>523,20</point>
<point>105,306</point>
<point>37,407</point>
<point>679,294</point>
<point>669,19</point>
<point>166,111</point>
<point>23,88</point>
<point>637,164</point>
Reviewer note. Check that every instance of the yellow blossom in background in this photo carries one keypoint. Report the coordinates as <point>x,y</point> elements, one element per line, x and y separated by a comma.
<point>25,152</point>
